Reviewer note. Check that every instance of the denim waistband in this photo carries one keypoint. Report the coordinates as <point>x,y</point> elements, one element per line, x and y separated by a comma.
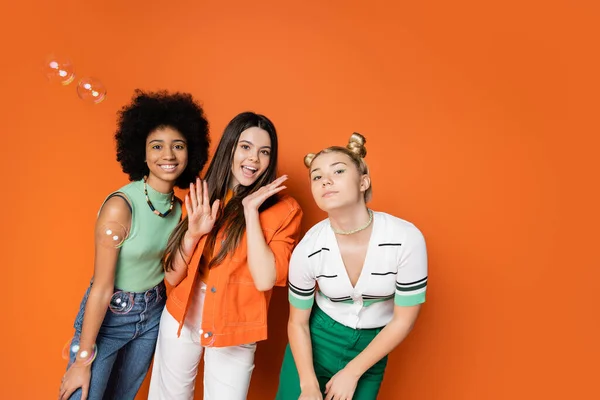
<point>157,291</point>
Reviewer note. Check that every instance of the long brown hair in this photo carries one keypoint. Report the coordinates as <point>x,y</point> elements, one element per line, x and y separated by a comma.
<point>218,177</point>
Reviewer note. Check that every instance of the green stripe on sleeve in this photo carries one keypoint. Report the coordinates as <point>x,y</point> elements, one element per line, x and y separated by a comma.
<point>302,304</point>
<point>409,300</point>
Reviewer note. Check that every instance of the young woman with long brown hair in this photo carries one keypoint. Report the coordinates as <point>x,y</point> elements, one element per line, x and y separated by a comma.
<point>224,259</point>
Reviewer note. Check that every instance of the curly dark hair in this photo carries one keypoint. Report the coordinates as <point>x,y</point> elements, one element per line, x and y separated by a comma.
<point>151,110</point>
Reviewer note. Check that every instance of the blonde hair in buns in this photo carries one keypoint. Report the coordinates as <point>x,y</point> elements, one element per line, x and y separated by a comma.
<point>355,149</point>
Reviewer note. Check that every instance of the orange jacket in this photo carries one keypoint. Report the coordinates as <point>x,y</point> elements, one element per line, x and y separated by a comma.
<point>234,311</point>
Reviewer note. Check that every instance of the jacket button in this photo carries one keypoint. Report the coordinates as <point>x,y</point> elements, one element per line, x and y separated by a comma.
<point>208,334</point>
<point>213,289</point>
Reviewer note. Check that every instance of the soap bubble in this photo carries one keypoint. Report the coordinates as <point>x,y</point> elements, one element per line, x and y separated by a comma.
<point>121,302</point>
<point>196,334</point>
<point>70,347</point>
<point>59,69</point>
<point>111,234</point>
<point>91,90</point>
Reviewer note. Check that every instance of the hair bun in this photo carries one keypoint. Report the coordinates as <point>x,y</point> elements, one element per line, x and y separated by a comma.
<point>356,144</point>
<point>308,159</point>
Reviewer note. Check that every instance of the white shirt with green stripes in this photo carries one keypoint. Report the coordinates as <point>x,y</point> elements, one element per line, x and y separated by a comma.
<point>394,273</point>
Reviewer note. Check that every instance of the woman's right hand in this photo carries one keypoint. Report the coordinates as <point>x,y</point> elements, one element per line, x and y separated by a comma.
<point>77,376</point>
<point>201,216</point>
<point>311,393</point>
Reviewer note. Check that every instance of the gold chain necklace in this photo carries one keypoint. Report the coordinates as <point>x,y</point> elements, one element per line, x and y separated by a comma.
<point>362,228</point>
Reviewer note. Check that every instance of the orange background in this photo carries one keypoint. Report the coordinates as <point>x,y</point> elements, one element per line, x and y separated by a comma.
<point>481,120</point>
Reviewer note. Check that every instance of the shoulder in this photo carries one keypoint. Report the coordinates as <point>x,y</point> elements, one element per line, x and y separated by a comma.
<point>129,192</point>
<point>314,238</point>
<point>317,230</point>
<point>116,207</point>
<point>286,203</point>
<point>283,208</point>
<point>392,225</point>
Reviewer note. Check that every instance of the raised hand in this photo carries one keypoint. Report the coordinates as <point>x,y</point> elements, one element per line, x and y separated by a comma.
<point>254,201</point>
<point>201,216</point>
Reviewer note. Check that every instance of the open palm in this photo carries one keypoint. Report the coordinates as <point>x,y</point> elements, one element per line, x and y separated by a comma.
<point>201,216</point>
<point>254,201</point>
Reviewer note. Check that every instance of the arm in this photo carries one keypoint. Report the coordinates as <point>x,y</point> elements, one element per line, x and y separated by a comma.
<point>182,259</point>
<point>277,252</point>
<point>266,261</point>
<point>199,222</point>
<point>301,345</point>
<point>261,259</point>
<point>114,219</point>
<point>391,336</point>
<point>411,284</point>
<point>301,295</point>
<point>105,262</point>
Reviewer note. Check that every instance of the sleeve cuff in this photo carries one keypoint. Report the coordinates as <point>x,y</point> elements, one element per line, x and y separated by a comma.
<point>409,300</point>
<point>301,303</point>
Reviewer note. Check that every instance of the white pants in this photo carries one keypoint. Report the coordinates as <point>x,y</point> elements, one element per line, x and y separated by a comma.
<point>227,370</point>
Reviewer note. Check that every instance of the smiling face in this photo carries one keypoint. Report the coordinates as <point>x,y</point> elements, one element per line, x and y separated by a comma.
<point>336,182</point>
<point>166,157</point>
<point>251,157</point>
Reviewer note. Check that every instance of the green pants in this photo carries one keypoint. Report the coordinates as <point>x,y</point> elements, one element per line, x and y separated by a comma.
<point>334,345</point>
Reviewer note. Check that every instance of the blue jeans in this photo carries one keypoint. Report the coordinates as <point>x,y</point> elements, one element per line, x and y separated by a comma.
<point>126,343</point>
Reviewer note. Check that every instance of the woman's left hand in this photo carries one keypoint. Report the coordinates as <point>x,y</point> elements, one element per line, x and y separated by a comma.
<point>341,386</point>
<point>254,201</point>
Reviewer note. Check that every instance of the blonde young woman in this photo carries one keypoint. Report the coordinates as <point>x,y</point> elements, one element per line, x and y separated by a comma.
<point>368,272</point>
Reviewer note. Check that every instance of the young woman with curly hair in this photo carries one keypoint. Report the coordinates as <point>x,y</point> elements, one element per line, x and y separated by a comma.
<point>162,142</point>
<point>357,282</point>
<point>224,260</point>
